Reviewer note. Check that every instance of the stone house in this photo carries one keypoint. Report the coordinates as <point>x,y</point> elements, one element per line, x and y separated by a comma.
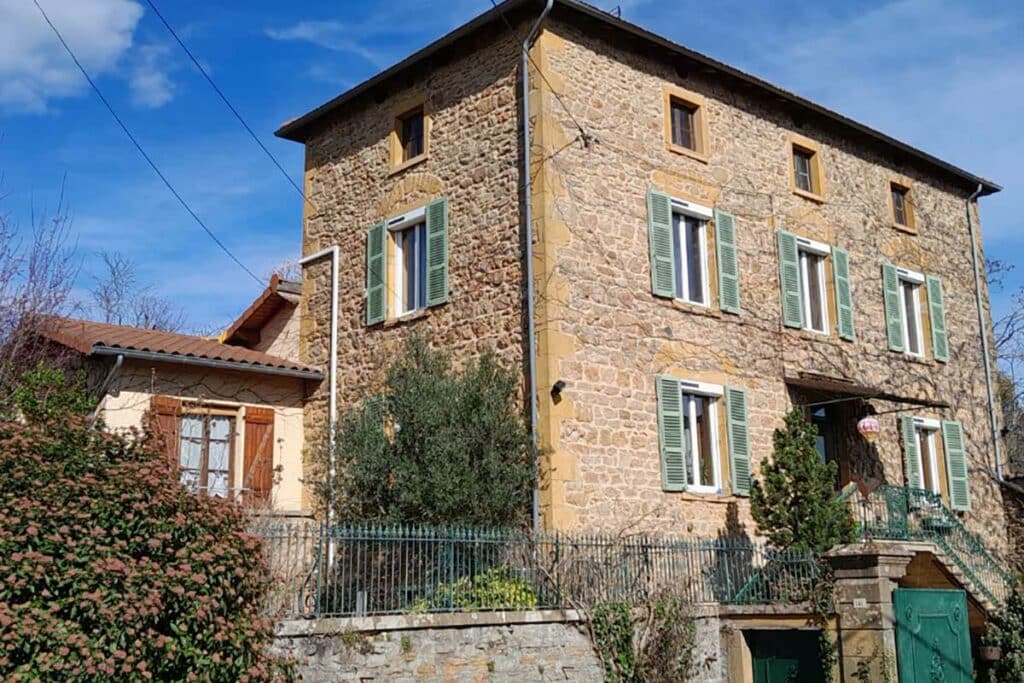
<point>230,410</point>
<point>695,251</point>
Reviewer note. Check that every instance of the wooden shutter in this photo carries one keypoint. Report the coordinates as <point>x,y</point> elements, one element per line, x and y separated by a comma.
<point>789,277</point>
<point>911,453</point>
<point>659,232</point>
<point>956,465</point>
<point>893,307</point>
<point>437,252</point>
<point>739,440</point>
<point>728,262</point>
<point>258,461</point>
<point>937,316</point>
<point>376,274</point>
<point>670,434</point>
<point>844,295</point>
<point>166,425</point>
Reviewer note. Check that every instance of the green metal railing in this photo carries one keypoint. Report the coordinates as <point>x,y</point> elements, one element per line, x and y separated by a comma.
<point>909,514</point>
<point>354,570</point>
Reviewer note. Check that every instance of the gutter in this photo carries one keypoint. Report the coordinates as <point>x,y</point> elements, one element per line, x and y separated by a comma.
<point>531,334</point>
<point>102,350</point>
<point>983,330</point>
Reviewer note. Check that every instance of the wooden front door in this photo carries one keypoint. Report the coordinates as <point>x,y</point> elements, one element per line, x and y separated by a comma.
<point>933,641</point>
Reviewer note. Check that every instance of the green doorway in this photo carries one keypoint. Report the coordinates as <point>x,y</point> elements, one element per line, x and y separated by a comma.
<point>789,656</point>
<point>933,641</point>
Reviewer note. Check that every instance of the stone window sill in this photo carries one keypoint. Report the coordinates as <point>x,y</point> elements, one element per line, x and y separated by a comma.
<point>406,319</point>
<point>696,309</point>
<point>813,196</point>
<point>687,152</point>
<point>406,165</point>
<point>908,229</point>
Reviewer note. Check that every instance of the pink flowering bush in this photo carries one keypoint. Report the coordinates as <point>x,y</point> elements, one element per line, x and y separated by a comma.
<point>110,570</point>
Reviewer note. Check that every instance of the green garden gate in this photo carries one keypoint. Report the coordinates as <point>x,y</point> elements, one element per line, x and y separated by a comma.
<point>933,641</point>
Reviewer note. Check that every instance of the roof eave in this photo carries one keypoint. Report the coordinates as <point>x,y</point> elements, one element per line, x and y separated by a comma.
<point>297,130</point>
<point>214,363</point>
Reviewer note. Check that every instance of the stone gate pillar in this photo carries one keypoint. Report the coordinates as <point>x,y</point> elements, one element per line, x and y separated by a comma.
<point>866,575</point>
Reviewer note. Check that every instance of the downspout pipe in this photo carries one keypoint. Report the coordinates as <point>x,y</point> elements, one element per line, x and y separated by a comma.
<point>983,328</point>
<point>531,332</point>
<point>332,387</point>
<point>105,387</point>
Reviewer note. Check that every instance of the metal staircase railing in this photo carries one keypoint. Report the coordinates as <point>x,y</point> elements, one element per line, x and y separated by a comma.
<point>909,514</point>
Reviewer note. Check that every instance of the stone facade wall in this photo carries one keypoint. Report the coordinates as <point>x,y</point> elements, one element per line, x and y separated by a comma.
<point>473,161</point>
<point>496,647</point>
<point>614,337</point>
<point>600,330</point>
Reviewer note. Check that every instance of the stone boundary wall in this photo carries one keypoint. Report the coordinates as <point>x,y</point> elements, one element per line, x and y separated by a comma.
<point>540,645</point>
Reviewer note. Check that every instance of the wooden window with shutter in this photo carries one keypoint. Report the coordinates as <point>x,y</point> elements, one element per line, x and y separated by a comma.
<point>165,416</point>
<point>258,460</point>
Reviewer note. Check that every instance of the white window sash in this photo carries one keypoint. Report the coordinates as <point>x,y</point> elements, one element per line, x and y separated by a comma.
<point>913,291</point>
<point>819,275</point>
<point>712,393</point>
<point>926,434</point>
<point>400,275</point>
<point>684,256</point>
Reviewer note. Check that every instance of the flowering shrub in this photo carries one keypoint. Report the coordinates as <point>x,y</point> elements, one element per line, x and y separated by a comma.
<point>110,570</point>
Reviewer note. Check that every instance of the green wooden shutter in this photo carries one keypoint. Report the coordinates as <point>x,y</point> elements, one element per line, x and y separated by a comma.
<point>956,465</point>
<point>670,434</point>
<point>739,440</point>
<point>937,315</point>
<point>844,295</point>
<point>789,277</point>
<point>893,308</point>
<point>911,453</point>
<point>728,262</point>
<point>659,229</point>
<point>376,274</point>
<point>437,252</point>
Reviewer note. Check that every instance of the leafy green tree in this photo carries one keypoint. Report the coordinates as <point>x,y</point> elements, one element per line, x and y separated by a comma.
<point>49,394</point>
<point>435,446</point>
<point>794,505</point>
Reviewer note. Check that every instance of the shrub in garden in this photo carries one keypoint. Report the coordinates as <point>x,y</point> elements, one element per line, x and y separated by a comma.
<point>110,570</point>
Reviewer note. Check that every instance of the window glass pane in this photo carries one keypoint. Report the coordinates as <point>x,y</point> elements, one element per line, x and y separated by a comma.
<point>899,208</point>
<point>682,125</point>
<point>706,466</point>
<point>421,275</point>
<point>677,255</point>
<point>694,267</point>
<point>192,426</point>
<point>190,479</point>
<point>813,265</point>
<point>802,170</point>
<point>220,427</point>
<point>688,428</point>
<point>412,136</point>
<point>217,484</point>
<point>409,269</point>
<point>909,291</point>
<point>927,476</point>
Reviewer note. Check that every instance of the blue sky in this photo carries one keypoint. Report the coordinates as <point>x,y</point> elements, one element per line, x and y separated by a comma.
<point>940,74</point>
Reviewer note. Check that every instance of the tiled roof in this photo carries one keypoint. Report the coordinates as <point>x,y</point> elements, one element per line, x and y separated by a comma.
<point>87,336</point>
<point>248,325</point>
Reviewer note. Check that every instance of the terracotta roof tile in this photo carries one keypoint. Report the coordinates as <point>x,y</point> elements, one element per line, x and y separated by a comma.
<point>85,335</point>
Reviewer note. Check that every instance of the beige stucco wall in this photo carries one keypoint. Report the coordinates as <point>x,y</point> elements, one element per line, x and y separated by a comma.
<point>612,337</point>
<point>129,397</point>
<point>279,336</point>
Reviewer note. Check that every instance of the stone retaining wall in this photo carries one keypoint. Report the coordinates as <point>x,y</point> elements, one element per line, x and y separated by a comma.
<point>497,646</point>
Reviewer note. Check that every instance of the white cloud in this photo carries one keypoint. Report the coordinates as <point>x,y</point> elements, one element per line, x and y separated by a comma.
<point>34,68</point>
<point>150,82</point>
<point>332,35</point>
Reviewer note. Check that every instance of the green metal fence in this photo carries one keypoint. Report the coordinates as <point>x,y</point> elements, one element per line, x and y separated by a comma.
<point>909,514</point>
<point>373,569</point>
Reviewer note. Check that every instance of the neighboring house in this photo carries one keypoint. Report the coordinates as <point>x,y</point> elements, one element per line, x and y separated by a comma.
<point>230,415</point>
<point>708,252</point>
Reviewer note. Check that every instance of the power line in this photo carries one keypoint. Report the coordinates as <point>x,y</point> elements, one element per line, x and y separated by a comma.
<point>224,98</point>
<point>139,147</point>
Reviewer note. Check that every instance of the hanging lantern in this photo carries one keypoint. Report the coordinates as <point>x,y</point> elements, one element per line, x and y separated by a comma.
<point>869,428</point>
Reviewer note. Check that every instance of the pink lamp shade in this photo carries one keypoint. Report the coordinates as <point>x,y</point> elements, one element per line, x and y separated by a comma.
<point>869,428</point>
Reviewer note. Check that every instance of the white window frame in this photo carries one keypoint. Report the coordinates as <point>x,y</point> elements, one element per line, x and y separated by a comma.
<point>395,225</point>
<point>715,393</point>
<point>914,278</point>
<point>927,429</point>
<point>804,247</point>
<point>703,214</point>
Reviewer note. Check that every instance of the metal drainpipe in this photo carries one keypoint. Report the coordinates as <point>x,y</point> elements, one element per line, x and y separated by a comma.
<point>105,387</point>
<point>531,340</point>
<point>986,355</point>
<point>332,388</point>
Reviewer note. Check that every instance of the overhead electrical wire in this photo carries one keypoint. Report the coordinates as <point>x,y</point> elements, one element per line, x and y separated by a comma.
<point>141,150</point>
